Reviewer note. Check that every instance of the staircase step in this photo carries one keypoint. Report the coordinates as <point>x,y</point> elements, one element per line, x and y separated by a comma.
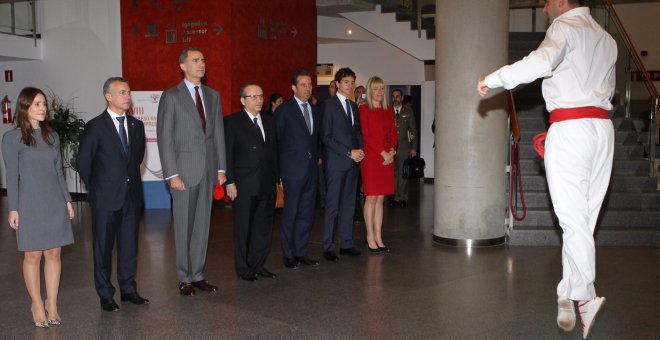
<point>617,184</point>
<point>551,236</point>
<point>614,200</point>
<point>622,137</point>
<point>609,218</point>
<point>626,167</point>
<point>621,151</point>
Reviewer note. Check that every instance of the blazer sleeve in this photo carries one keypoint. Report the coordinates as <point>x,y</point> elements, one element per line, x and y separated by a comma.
<point>86,152</point>
<point>58,169</point>
<point>10,156</point>
<point>165,133</point>
<point>327,128</point>
<point>230,139</point>
<point>219,137</point>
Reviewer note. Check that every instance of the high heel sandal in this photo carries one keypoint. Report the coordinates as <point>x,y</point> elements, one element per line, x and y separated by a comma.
<point>52,322</point>
<point>40,324</point>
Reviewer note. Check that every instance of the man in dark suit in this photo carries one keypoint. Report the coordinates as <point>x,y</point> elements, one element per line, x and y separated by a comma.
<point>298,127</point>
<point>109,157</point>
<point>342,139</point>
<point>191,145</point>
<point>252,173</point>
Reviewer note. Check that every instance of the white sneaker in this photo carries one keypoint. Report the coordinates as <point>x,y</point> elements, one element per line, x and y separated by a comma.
<point>565,314</point>
<point>588,311</point>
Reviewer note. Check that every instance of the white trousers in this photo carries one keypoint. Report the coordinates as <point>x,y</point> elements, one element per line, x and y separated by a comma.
<point>578,163</point>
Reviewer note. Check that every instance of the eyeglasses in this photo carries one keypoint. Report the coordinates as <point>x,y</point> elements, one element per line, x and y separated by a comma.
<point>255,96</point>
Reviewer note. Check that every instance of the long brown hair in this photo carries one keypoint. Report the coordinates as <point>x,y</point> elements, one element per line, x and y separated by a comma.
<point>22,122</point>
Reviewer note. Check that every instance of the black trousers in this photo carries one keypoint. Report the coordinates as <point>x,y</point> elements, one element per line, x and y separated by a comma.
<point>253,232</point>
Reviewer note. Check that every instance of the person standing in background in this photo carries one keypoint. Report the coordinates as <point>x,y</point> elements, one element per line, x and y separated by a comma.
<point>407,134</point>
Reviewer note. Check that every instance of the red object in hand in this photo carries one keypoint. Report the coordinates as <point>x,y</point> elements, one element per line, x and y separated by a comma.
<point>539,143</point>
<point>218,192</point>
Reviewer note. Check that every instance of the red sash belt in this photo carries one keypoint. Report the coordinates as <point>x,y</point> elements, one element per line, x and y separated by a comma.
<point>559,115</point>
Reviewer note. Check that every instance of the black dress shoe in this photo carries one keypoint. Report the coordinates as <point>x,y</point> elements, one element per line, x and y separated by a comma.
<point>248,277</point>
<point>109,305</point>
<point>350,252</point>
<point>330,256</point>
<point>134,298</point>
<point>290,263</point>
<point>306,261</point>
<point>186,289</point>
<point>205,286</point>
<point>265,273</point>
<point>374,250</point>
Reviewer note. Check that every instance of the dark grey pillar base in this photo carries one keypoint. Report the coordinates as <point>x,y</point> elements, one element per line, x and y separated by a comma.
<point>498,241</point>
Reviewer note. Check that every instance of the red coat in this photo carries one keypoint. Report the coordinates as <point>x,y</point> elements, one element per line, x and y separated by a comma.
<point>379,134</point>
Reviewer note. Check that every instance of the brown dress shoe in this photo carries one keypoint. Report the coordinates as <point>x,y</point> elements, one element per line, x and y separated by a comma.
<point>205,286</point>
<point>186,289</point>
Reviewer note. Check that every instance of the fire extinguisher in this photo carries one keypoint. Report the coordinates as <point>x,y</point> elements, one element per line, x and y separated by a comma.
<point>6,111</point>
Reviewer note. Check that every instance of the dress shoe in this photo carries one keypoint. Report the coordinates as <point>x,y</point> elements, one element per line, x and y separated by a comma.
<point>306,261</point>
<point>134,298</point>
<point>40,324</point>
<point>265,273</point>
<point>54,321</point>
<point>403,204</point>
<point>330,256</point>
<point>290,263</point>
<point>384,249</point>
<point>205,286</point>
<point>109,305</point>
<point>186,289</point>
<point>374,250</point>
<point>350,252</point>
<point>248,277</point>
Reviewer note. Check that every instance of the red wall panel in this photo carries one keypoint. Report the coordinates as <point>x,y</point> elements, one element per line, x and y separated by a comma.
<point>242,40</point>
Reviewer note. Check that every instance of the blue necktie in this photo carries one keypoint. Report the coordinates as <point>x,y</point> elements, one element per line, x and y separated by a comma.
<point>122,134</point>
<point>348,110</point>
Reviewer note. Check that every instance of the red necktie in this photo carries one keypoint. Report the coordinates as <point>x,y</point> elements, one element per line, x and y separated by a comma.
<point>200,108</point>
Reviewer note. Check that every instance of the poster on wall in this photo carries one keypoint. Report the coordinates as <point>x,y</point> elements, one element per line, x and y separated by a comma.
<point>145,108</point>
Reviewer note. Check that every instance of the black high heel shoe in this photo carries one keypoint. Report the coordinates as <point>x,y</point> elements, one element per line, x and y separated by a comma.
<point>384,249</point>
<point>373,250</point>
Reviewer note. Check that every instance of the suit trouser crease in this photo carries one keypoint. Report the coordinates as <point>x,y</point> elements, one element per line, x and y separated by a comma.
<point>340,206</point>
<point>297,215</point>
<point>192,218</point>
<point>121,225</point>
<point>253,221</point>
<point>578,161</point>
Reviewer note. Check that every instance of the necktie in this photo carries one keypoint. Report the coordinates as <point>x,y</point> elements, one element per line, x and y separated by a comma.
<point>307,119</point>
<point>200,108</point>
<point>255,120</point>
<point>348,110</point>
<point>122,134</point>
<point>397,113</point>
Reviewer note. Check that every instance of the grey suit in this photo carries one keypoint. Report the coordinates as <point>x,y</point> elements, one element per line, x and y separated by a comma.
<point>196,157</point>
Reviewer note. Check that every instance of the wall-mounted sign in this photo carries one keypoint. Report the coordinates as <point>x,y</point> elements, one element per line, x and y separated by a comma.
<point>273,29</point>
<point>324,70</point>
<point>639,76</point>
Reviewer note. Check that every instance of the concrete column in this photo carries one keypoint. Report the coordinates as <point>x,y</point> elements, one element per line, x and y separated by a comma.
<point>471,142</point>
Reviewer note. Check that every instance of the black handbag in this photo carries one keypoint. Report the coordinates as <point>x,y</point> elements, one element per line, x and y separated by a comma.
<point>413,168</point>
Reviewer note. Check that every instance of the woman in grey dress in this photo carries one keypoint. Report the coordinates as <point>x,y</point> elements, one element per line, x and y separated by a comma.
<point>39,204</point>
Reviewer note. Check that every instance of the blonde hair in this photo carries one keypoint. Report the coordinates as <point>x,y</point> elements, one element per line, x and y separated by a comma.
<point>373,81</point>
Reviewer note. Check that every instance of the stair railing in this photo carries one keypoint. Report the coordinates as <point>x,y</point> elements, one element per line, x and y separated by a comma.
<point>636,98</point>
<point>19,11</point>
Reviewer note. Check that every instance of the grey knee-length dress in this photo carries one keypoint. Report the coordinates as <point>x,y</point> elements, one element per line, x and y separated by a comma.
<point>37,190</point>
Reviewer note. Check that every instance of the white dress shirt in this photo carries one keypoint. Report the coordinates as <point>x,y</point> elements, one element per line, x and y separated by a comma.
<point>309,109</point>
<point>114,116</point>
<point>577,59</point>
<point>342,99</point>
<point>260,124</point>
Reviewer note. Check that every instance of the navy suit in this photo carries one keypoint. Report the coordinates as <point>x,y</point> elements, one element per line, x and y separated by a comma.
<point>252,167</point>
<point>114,188</point>
<point>340,135</point>
<point>299,154</point>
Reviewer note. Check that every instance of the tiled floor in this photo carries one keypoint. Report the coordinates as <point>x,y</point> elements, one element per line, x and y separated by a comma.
<point>418,291</point>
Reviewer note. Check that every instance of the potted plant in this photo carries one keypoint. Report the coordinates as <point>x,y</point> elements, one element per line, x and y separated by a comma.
<point>69,128</point>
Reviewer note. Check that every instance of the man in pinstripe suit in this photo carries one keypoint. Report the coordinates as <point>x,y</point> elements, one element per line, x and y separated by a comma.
<point>191,145</point>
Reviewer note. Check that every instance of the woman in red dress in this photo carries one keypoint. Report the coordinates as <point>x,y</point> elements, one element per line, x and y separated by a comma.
<point>380,139</point>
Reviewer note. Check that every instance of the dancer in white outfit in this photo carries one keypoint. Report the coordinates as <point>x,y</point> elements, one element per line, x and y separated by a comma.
<point>577,59</point>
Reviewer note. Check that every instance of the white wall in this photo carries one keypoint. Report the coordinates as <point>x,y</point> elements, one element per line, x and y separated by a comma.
<point>81,48</point>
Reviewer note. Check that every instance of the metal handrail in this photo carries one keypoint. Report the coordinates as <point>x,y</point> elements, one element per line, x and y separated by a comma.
<point>653,91</point>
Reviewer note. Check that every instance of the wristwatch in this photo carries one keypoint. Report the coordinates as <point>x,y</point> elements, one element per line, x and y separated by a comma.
<point>349,154</point>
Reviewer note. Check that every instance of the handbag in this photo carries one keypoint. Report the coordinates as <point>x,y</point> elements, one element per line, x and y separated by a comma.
<point>279,199</point>
<point>413,168</point>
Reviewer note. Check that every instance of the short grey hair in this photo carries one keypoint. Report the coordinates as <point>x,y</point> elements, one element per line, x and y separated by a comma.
<point>110,81</point>
<point>184,53</point>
